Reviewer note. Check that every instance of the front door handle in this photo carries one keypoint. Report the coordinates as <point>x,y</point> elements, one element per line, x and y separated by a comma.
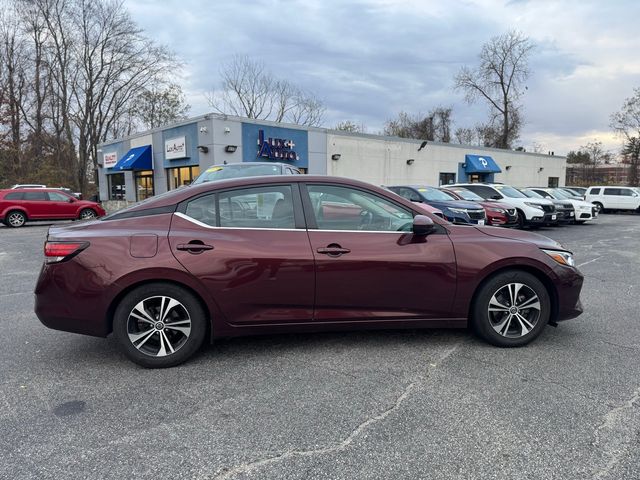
<point>333,250</point>
<point>194,246</point>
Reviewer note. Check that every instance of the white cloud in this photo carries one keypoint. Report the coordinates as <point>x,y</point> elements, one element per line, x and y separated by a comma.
<point>369,59</point>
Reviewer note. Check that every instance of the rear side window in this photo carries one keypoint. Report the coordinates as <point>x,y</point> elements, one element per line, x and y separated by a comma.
<point>35,196</point>
<point>259,207</point>
<point>594,191</point>
<point>13,196</point>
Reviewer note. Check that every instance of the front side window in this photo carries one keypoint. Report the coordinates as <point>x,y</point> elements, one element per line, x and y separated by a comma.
<point>344,208</point>
<point>594,191</point>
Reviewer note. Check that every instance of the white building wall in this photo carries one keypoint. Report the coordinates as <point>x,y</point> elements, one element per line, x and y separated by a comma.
<point>383,161</point>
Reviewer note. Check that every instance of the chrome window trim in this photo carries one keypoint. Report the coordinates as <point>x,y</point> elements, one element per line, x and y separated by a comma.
<point>204,225</point>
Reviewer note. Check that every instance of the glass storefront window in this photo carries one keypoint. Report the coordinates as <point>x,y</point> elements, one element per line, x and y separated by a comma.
<point>177,177</point>
<point>144,184</point>
<point>116,186</point>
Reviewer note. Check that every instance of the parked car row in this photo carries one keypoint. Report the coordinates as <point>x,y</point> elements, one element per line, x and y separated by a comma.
<point>500,205</point>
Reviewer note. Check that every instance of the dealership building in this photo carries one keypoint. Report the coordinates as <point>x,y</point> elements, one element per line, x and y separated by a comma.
<point>153,162</point>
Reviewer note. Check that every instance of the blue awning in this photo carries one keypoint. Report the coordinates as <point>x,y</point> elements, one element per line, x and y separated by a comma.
<point>480,164</point>
<point>138,158</point>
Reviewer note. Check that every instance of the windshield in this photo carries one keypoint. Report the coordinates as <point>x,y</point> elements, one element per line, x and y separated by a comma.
<point>466,194</point>
<point>431,194</point>
<point>531,194</point>
<point>508,191</point>
<point>222,172</point>
<point>556,192</point>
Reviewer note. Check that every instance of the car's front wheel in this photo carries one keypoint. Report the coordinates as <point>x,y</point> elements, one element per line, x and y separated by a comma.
<point>159,325</point>
<point>511,309</point>
<point>15,219</point>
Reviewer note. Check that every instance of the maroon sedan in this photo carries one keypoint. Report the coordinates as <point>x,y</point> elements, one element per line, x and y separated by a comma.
<point>17,206</point>
<point>294,253</point>
<point>498,214</point>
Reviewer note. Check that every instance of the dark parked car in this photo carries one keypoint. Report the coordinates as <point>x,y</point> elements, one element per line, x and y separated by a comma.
<point>455,211</point>
<point>294,254</point>
<point>246,169</point>
<point>498,214</point>
<point>17,206</point>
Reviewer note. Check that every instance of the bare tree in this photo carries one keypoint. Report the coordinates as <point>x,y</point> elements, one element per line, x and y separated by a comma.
<point>249,90</point>
<point>434,126</point>
<point>466,136</point>
<point>626,122</point>
<point>160,105</point>
<point>499,80</point>
<point>351,127</point>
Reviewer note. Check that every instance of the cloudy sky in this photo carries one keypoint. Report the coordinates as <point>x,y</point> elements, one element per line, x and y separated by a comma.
<point>370,59</point>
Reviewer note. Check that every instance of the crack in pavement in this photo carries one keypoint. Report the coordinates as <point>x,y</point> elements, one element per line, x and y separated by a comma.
<point>615,446</point>
<point>343,444</point>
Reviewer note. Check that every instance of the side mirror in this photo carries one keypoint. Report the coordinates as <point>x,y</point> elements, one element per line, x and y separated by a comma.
<point>422,225</point>
<point>71,200</point>
<point>415,199</point>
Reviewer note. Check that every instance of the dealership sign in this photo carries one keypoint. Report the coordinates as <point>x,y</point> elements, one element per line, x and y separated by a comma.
<point>109,159</point>
<point>175,148</point>
<point>276,148</point>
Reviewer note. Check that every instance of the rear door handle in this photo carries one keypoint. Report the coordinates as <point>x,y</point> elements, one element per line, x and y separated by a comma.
<point>195,246</point>
<point>333,250</point>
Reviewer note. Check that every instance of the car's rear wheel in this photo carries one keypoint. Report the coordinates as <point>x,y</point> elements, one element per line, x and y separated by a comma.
<point>159,325</point>
<point>87,214</point>
<point>15,219</point>
<point>511,309</point>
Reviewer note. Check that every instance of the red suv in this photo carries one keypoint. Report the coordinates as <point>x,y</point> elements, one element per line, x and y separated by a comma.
<point>17,206</point>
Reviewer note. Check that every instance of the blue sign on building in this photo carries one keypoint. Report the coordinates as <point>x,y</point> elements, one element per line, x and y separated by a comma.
<point>263,143</point>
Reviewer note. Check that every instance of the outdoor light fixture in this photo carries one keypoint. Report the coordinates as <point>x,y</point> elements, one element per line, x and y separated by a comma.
<point>410,161</point>
<point>540,169</point>
<point>230,148</point>
<point>203,148</point>
<point>508,167</point>
<point>227,130</point>
<point>422,145</point>
<point>335,156</point>
<point>203,130</point>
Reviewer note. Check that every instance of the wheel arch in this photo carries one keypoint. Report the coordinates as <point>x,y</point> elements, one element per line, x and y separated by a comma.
<point>536,272</point>
<point>15,208</point>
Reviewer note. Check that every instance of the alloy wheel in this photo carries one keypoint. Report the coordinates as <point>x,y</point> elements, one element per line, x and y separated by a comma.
<point>87,214</point>
<point>158,326</point>
<point>16,219</point>
<point>514,310</point>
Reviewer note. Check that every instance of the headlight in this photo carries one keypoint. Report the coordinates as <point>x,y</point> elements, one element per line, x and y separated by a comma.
<point>563,258</point>
<point>458,210</point>
<point>534,205</point>
<point>497,210</point>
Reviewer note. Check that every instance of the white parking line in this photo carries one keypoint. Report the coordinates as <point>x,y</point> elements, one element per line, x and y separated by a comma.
<point>590,261</point>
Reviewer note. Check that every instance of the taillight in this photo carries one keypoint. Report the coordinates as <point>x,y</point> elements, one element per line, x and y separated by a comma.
<point>59,251</point>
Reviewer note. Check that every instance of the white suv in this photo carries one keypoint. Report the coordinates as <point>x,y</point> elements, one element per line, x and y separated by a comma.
<point>530,211</point>
<point>613,198</point>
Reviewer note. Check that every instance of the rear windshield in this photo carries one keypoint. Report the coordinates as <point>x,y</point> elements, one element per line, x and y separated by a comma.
<point>222,172</point>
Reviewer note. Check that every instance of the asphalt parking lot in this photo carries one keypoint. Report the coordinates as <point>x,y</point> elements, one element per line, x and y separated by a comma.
<point>434,404</point>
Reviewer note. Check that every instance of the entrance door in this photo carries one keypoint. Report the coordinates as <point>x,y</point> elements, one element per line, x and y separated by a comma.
<point>369,264</point>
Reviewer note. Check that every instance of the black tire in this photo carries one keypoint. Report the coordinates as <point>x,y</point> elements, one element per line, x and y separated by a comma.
<point>151,336</point>
<point>15,219</point>
<point>521,219</point>
<point>486,323</point>
<point>87,214</point>
<point>580,222</point>
<point>599,206</point>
